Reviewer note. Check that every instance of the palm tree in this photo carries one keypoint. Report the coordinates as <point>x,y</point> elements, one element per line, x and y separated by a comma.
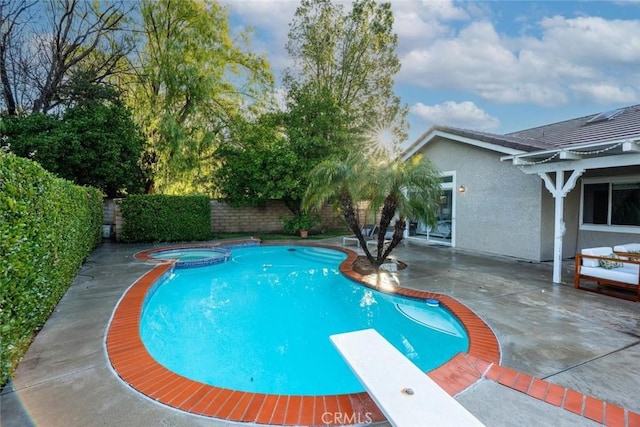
<point>394,189</point>
<point>342,182</point>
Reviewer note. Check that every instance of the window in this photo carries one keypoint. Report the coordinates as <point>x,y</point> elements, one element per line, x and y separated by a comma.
<point>612,203</point>
<point>625,203</point>
<point>595,205</point>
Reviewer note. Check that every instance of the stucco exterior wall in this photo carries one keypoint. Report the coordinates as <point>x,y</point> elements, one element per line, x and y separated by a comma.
<point>591,239</point>
<point>571,220</point>
<point>500,211</point>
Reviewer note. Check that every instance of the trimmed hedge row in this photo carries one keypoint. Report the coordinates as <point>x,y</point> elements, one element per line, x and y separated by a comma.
<point>48,227</point>
<point>161,218</point>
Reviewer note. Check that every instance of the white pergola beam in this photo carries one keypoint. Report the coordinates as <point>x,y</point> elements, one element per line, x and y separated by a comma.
<point>627,159</point>
<point>631,147</point>
<point>566,155</point>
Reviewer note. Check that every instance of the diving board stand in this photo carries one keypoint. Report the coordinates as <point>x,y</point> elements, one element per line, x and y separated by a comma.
<point>405,394</point>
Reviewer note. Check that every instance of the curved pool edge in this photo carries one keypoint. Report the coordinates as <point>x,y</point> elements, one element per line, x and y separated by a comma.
<point>136,367</point>
<point>146,254</point>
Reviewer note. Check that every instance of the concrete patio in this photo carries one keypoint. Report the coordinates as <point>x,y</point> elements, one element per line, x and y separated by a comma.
<point>586,342</point>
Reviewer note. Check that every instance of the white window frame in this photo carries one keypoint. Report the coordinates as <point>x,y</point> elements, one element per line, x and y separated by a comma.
<point>609,228</point>
<point>453,186</point>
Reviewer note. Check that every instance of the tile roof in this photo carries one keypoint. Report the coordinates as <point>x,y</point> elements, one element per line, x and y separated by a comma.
<point>625,125</point>
<point>511,141</point>
<point>578,131</point>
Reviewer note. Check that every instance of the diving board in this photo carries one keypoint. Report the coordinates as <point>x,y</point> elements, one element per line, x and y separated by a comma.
<point>405,394</point>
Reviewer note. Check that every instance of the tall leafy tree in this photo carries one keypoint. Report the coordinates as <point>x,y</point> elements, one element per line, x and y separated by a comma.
<point>13,15</point>
<point>340,95</point>
<point>397,190</point>
<point>353,57</point>
<point>270,158</point>
<point>93,143</point>
<point>194,79</point>
<point>257,164</point>
<point>72,39</point>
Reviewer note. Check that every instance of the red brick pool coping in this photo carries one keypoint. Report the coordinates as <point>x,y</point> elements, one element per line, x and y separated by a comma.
<point>138,368</point>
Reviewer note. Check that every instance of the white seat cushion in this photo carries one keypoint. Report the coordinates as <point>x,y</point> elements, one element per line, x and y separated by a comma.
<point>626,274</point>
<point>628,247</point>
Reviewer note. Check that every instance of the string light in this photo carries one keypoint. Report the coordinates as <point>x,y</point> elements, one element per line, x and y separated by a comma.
<point>604,150</point>
<point>580,153</point>
<point>525,163</point>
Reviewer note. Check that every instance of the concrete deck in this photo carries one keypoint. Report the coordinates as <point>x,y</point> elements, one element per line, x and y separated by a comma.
<point>575,339</point>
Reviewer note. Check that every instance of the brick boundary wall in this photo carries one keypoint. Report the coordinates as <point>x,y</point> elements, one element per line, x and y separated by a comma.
<point>227,219</point>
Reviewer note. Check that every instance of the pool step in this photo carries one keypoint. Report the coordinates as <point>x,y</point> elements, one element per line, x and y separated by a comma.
<point>316,254</point>
<point>405,394</point>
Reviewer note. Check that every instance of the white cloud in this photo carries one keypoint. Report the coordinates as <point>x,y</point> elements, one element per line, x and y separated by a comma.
<point>569,56</point>
<point>429,11</point>
<point>412,29</point>
<point>447,45</point>
<point>475,55</point>
<point>443,9</point>
<point>606,93</point>
<point>591,40</point>
<point>268,14</point>
<point>417,22</point>
<point>464,115</point>
<point>518,93</point>
<point>270,20</point>
<point>478,60</point>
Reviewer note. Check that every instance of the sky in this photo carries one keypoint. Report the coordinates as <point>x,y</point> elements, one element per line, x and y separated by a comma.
<point>493,66</point>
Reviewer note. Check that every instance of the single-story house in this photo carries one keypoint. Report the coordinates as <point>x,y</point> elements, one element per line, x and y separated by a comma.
<point>538,194</point>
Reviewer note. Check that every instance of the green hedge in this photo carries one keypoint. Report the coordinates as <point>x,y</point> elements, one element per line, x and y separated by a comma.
<point>48,227</point>
<point>160,218</point>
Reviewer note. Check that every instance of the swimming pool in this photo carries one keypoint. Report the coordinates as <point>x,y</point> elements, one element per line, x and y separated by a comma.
<point>260,323</point>
<point>133,364</point>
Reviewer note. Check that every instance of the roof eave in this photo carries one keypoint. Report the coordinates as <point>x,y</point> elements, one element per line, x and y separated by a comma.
<point>436,131</point>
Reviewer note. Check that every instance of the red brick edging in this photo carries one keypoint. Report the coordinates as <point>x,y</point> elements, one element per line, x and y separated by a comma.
<point>136,366</point>
<point>589,407</point>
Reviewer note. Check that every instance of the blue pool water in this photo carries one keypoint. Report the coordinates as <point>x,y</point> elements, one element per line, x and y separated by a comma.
<point>261,322</point>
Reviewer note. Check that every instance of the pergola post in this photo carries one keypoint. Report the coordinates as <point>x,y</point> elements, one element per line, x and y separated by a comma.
<point>559,190</point>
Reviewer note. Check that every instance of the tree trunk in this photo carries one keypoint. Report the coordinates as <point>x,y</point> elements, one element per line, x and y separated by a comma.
<point>149,186</point>
<point>7,93</point>
<point>349,214</point>
<point>387,214</point>
<point>293,205</point>
<point>398,235</point>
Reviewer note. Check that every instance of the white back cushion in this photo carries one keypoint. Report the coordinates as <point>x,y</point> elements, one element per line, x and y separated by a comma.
<point>601,251</point>
<point>627,247</point>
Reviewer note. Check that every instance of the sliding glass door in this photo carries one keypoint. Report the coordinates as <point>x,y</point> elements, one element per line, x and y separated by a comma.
<point>442,231</point>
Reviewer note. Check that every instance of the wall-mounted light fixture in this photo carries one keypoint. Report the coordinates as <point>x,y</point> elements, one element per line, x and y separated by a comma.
<point>461,189</point>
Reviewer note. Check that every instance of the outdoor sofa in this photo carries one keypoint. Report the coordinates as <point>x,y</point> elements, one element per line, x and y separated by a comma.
<point>368,232</point>
<point>615,270</point>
